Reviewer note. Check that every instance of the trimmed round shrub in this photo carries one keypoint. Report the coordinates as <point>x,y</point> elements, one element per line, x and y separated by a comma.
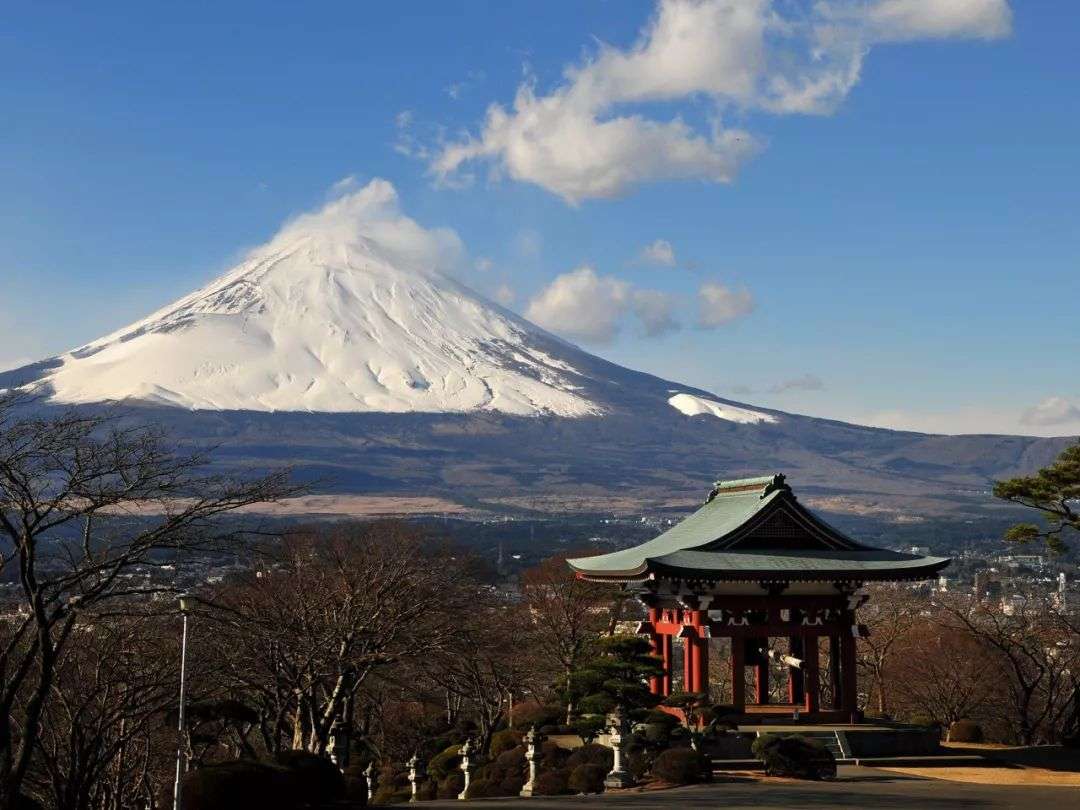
<point>450,786</point>
<point>514,758</point>
<point>511,785</point>
<point>533,714</point>
<point>591,754</point>
<point>504,740</point>
<point>587,778</point>
<point>551,756</point>
<point>482,789</point>
<point>446,762</point>
<point>681,766</point>
<point>795,756</point>
<point>317,778</point>
<point>550,783</point>
<point>965,731</point>
<point>242,783</point>
<point>639,763</point>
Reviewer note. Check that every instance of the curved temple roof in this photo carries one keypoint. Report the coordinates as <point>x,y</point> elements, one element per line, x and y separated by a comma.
<point>755,528</point>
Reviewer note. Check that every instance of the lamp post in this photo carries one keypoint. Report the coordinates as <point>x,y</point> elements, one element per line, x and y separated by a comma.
<point>185,609</point>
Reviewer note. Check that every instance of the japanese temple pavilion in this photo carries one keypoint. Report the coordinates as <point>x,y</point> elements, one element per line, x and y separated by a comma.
<point>757,567</point>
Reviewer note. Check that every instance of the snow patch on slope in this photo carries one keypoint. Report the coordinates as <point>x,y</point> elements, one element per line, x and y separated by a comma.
<point>695,406</point>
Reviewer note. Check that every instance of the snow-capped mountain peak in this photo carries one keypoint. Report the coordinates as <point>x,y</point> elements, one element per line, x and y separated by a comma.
<point>325,320</point>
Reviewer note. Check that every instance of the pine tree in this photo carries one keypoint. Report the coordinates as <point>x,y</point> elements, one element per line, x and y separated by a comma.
<point>1055,492</point>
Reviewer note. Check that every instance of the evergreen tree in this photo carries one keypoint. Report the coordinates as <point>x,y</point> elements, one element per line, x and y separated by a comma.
<point>617,676</point>
<point>1055,492</point>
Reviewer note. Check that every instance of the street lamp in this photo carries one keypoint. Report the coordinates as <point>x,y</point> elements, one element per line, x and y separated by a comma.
<point>185,609</point>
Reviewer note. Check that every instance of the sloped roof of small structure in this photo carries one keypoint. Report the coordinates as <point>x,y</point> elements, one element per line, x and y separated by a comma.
<point>755,528</point>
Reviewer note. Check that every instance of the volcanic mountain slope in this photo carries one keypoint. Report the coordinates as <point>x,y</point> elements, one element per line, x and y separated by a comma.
<point>345,351</point>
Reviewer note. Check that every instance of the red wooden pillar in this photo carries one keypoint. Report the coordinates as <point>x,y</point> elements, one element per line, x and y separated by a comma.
<point>761,678</point>
<point>701,653</point>
<point>656,683</point>
<point>811,677</point>
<point>738,674</point>
<point>665,641</point>
<point>688,661</point>
<point>849,680</point>
<point>796,692</point>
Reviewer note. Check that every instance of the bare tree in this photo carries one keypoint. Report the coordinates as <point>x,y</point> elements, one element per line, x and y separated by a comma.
<point>114,682</point>
<point>304,631</point>
<point>1036,656</point>
<point>86,501</point>
<point>889,616</point>
<point>567,614</point>
<point>943,673</point>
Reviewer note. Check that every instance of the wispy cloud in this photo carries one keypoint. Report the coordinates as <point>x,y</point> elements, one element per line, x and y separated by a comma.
<point>591,137</point>
<point>806,382</point>
<point>659,253</point>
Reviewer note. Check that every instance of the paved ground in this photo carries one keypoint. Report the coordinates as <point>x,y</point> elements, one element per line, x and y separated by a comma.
<point>854,787</point>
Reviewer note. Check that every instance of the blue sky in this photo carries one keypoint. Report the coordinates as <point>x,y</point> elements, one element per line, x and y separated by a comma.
<point>869,215</point>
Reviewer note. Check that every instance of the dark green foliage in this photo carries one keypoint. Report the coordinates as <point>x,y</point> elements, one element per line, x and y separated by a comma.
<point>693,705</point>
<point>592,754</point>
<point>588,728</point>
<point>587,778</point>
<point>317,778</point>
<point>618,675</point>
<point>550,783</point>
<point>795,756</point>
<point>1053,491</point>
<point>241,783</point>
<point>965,731</point>
<point>450,786</point>
<point>681,766</point>
<point>504,740</point>
<point>444,763</point>
<point>639,763</point>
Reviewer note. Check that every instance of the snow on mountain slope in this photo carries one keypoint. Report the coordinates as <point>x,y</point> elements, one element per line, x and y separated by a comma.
<point>693,406</point>
<point>345,310</point>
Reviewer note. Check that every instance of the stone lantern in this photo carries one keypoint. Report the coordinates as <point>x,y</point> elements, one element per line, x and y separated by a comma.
<point>416,776</point>
<point>533,740</point>
<point>372,776</point>
<point>467,765</point>
<point>619,727</point>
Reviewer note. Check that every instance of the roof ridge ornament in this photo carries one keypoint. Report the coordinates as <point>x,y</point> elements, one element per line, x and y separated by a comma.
<point>778,484</point>
<point>766,484</point>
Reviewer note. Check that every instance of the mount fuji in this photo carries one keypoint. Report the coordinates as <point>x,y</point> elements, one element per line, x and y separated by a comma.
<point>344,348</point>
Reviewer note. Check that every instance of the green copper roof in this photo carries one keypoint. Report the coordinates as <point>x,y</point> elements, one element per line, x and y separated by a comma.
<point>755,528</point>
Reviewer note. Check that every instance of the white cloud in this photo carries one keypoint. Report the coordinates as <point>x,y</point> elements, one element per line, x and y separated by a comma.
<point>374,211</point>
<point>719,305</point>
<point>583,305</point>
<point>905,20</point>
<point>1052,411</point>
<point>483,264</point>
<point>659,253</point>
<point>807,382</point>
<point>581,141</point>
